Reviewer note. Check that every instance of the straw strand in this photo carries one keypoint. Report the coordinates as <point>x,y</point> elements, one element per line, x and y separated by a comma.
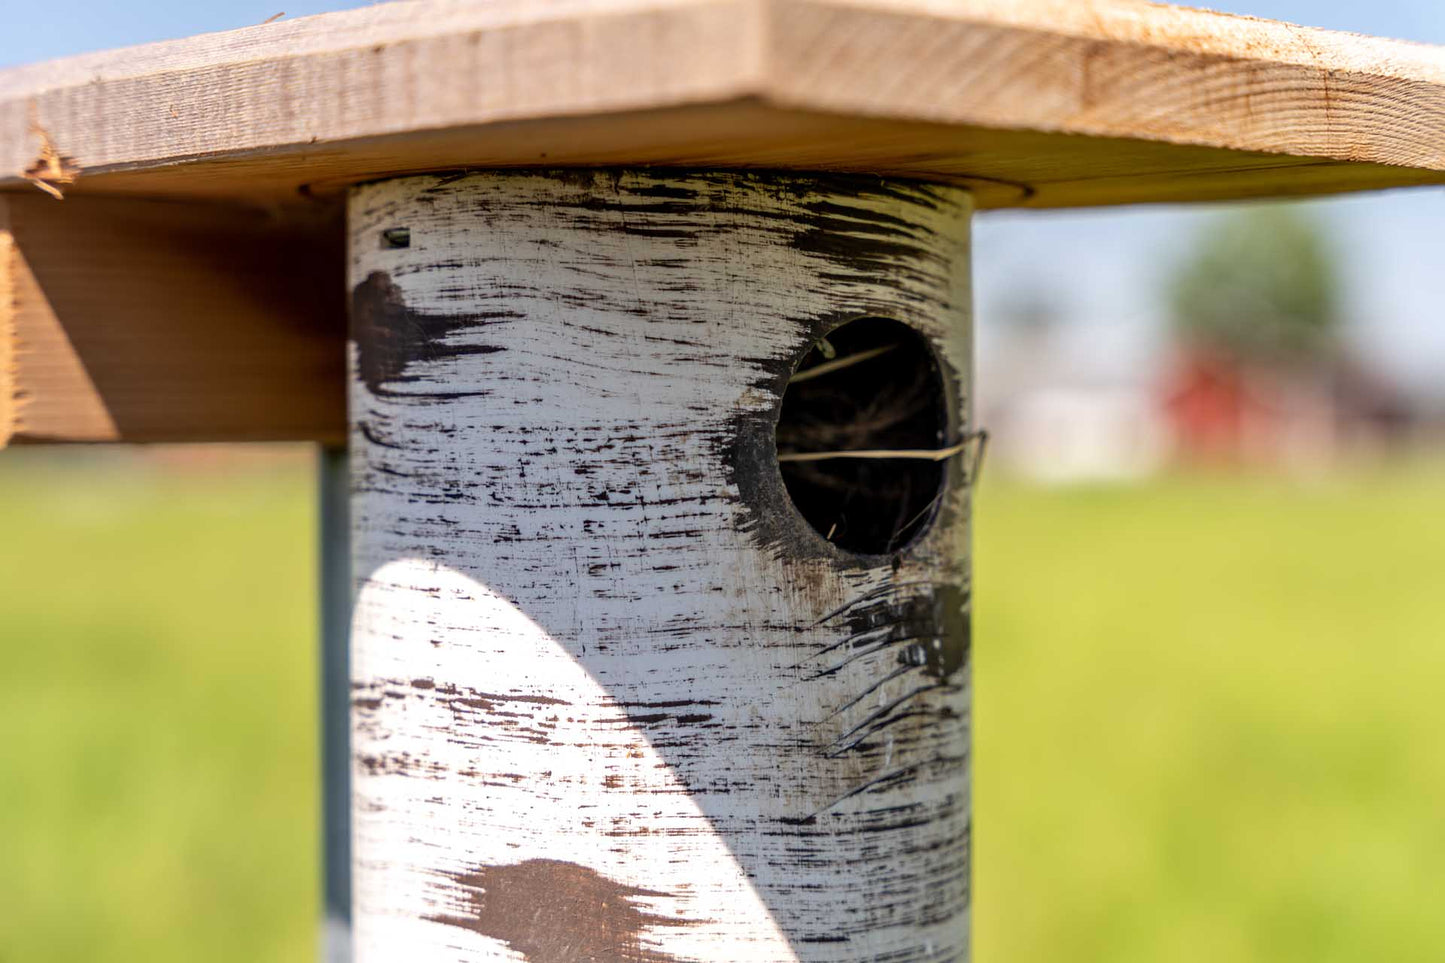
<point>828,367</point>
<point>922,454</point>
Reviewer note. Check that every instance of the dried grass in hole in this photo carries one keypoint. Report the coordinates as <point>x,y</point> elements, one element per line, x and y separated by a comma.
<point>872,395</point>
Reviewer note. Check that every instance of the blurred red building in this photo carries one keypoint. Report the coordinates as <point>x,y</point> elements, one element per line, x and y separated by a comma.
<point>1222,411</point>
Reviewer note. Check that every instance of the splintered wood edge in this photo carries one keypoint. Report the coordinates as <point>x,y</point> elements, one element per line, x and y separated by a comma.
<point>968,89</point>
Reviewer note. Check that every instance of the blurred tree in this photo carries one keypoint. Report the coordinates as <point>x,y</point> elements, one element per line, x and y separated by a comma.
<point>1261,282</point>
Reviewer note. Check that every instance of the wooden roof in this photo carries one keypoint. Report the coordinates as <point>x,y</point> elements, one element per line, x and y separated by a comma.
<point>1034,102</point>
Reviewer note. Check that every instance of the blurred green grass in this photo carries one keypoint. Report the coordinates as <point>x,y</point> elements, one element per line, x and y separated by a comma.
<point>158,768</point>
<point>1208,717</point>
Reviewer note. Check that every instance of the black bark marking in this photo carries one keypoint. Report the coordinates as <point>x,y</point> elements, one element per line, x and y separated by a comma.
<point>553,911</point>
<point>927,624</point>
<point>935,623</point>
<point>934,618</point>
<point>390,336</point>
<point>860,239</point>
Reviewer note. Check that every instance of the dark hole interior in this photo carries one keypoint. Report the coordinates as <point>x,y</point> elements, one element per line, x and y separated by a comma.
<point>870,385</point>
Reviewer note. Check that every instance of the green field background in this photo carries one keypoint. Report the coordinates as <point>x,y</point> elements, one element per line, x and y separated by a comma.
<point>1209,715</point>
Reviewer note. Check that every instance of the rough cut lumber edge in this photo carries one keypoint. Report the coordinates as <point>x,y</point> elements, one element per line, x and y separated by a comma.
<point>1115,68</point>
<point>134,320</point>
<point>914,86</point>
<point>613,698</point>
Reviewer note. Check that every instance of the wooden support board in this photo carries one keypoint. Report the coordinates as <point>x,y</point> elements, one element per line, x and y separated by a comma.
<point>1027,103</point>
<point>136,320</point>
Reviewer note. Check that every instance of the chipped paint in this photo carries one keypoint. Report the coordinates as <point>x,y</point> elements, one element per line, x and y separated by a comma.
<point>553,911</point>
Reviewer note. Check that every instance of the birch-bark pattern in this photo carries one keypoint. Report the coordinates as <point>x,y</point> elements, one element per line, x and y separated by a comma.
<point>613,699</point>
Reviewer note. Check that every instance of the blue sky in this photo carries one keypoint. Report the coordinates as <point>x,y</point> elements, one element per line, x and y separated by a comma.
<point>1103,269</point>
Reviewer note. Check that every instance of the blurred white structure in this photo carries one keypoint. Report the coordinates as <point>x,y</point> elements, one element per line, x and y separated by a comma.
<point>1083,433</point>
<point>1104,403</point>
<point>1071,403</point>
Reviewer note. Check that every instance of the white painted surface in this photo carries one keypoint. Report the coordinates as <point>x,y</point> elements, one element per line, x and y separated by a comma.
<point>591,645</point>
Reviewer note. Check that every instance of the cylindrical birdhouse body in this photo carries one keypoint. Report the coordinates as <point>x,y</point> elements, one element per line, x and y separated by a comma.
<point>660,531</point>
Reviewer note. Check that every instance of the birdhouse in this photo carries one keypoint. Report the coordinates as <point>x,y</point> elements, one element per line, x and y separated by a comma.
<point>639,334</point>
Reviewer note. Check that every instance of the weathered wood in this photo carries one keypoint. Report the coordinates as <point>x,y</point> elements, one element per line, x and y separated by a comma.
<point>133,320</point>
<point>613,697</point>
<point>1030,102</point>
